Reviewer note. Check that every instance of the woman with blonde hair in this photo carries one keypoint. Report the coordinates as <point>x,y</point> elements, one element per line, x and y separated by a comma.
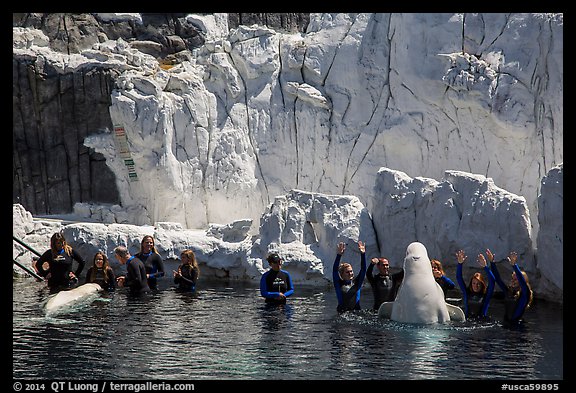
<point>56,263</point>
<point>346,285</point>
<point>188,271</point>
<point>152,261</point>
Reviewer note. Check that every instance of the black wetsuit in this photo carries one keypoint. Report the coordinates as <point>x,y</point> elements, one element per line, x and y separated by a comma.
<point>384,288</point>
<point>273,282</point>
<point>514,307</point>
<point>136,276</point>
<point>106,279</point>
<point>445,283</point>
<point>348,291</point>
<point>60,268</point>
<point>475,304</point>
<point>154,267</point>
<point>187,281</point>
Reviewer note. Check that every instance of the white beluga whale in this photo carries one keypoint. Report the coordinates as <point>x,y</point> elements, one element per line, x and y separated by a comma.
<point>420,299</point>
<point>67,298</point>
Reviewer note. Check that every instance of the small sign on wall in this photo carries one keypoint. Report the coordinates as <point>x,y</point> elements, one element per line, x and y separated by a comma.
<point>121,140</point>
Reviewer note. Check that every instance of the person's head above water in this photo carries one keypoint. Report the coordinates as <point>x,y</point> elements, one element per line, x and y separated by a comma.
<point>274,260</point>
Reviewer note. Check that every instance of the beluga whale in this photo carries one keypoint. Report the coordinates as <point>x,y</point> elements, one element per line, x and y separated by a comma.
<point>420,300</point>
<point>67,298</point>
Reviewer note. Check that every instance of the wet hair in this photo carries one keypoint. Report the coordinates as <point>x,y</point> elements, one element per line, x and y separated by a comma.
<point>59,237</point>
<point>273,258</point>
<point>531,294</point>
<point>121,251</point>
<point>105,266</point>
<point>342,266</point>
<point>153,245</point>
<point>192,258</point>
<point>437,264</point>
<point>478,276</point>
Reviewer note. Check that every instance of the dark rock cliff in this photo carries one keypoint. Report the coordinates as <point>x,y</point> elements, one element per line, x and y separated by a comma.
<point>54,112</point>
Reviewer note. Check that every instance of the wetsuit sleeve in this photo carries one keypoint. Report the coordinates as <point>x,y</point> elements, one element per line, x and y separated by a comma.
<point>489,290</point>
<point>362,273</point>
<point>397,281</point>
<point>159,265</point>
<point>135,275</point>
<point>497,277</point>
<point>78,258</point>
<point>462,286</point>
<point>176,278</point>
<point>336,278</point>
<point>524,293</point>
<point>264,287</point>
<point>88,274</point>
<point>449,283</point>
<point>191,280</point>
<point>111,279</point>
<point>131,275</point>
<point>46,257</point>
<point>369,275</point>
<point>360,279</point>
<point>290,288</point>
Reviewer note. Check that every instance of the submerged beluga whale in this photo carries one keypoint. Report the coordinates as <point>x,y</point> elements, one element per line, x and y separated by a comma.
<point>420,299</point>
<point>70,297</point>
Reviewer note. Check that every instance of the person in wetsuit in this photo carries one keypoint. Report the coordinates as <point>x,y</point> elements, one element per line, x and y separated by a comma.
<point>188,272</point>
<point>476,296</point>
<point>347,286</point>
<point>101,273</point>
<point>135,278</point>
<point>445,283</point>
<point>152,261</point>
<point>57,262</point>
<point>276,284</point>
<point>384,285</point>
<point>517,294</point>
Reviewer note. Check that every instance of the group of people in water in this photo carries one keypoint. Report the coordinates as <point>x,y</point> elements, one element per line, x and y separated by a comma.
<point>142,269</point>
<point>276,284</point>
<point>145,268</point>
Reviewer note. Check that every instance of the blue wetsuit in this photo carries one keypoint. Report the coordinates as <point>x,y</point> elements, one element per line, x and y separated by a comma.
<point>348,291</point>
<point>154,267</point>
<point>275,282</point>
<point>475,305</point>
<point>445,283</point>
<point>513,307</point>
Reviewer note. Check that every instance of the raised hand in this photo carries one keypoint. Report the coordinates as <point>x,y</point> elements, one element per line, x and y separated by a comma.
<point>489,255</point>
<point>481,260</point>
<point>460,256</point>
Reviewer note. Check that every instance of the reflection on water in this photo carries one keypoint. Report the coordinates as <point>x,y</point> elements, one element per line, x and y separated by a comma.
<point>230,333</point>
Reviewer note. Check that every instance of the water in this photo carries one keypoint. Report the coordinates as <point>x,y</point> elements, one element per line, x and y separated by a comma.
<point>229,333</point>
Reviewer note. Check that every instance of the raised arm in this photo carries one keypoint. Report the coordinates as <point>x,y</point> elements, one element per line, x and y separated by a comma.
<point>362,273</point>
<point>461,257</point>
